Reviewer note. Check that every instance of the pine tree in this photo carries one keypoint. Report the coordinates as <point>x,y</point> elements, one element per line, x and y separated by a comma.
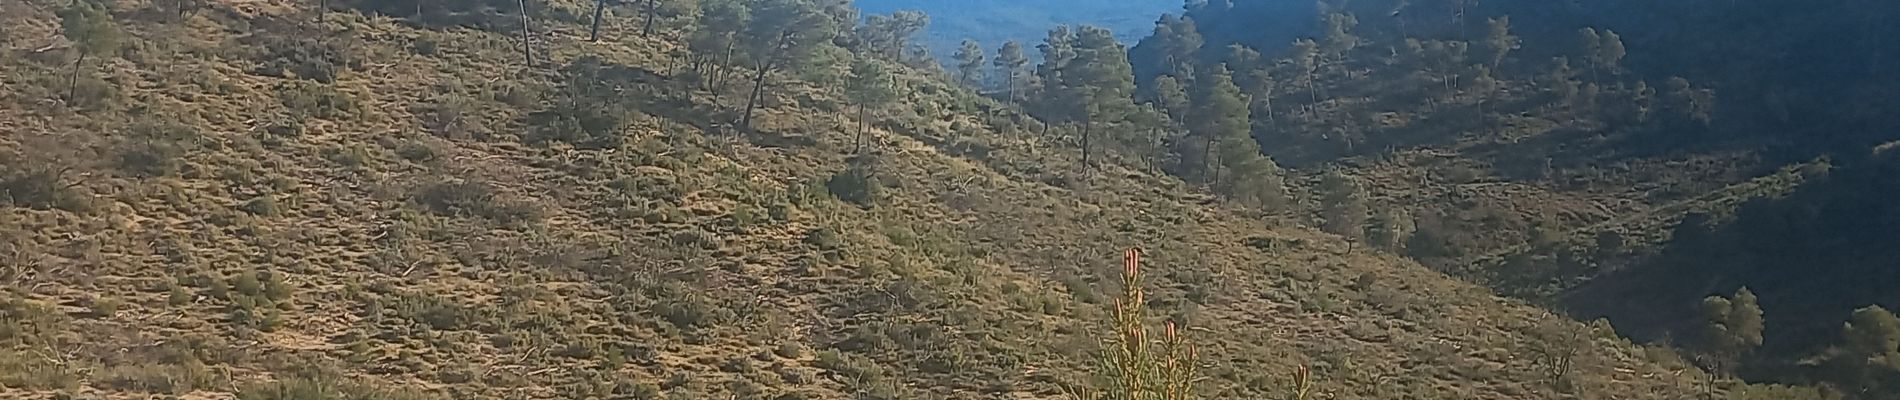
<point>1251,72</point>
<point>716,40</point>
<point>1592,44</point>
<point>782,34</point>
<point>1058,51</point>
<point>1501,42</point>
<point>90,28</point>
<point>1643,97</point>
<point>1345,208</point>
<point>969,63</point>
<point>1612,52</point>
<point>1733,328</point>
<point>1304,57</point>
<point>890,35</point>
<point>1102,84</point>
<point>870,87</point>
<point>1483,86</point>
<point>1171,96</point>
<point>1687,102</point>
<point>1151,124</point>
<point>1389,229</point>
<point>1870,358</point>
<point>1221,119</point>
<point>1179,40</point>
<point>1012,65</point>
<point>1559,82</point>
<point>1339,39</point>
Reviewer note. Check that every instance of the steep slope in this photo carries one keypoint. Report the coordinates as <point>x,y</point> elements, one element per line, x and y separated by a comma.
<point>1828,235</point>
<point>365,205</point>
<point>1619,159</point>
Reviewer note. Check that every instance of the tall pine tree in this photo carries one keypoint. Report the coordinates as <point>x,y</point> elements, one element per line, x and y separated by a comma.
<point>1101,83</point>
<point>870,86</point>
<point>969,63</point>
<point>782,34</point>
<point>1052,104</point>
<point>1221,121</point>
<point>1012,65</point>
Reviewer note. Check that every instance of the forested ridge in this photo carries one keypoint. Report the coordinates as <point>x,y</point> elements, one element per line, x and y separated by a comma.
<point>1537,146</point>
<point>787,199</point>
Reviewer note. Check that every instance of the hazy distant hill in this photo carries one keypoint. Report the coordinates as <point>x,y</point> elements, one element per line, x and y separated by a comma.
<point>994,21</point>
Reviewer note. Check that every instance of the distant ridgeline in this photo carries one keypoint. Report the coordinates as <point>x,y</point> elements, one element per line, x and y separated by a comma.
<point>1808,76</point>
<point>992,22</point>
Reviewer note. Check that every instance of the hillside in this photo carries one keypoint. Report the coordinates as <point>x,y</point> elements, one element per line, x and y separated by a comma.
<point>279,202</point>
<point>1555,151</point>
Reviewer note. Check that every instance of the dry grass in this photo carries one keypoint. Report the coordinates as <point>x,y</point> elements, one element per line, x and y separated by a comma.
<point>683,261</point>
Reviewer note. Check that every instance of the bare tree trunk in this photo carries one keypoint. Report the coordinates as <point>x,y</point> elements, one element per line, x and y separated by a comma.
<point>1207,160</point>
<point>653,7</point>
<point>758,94</point>
<point>1012,89</point>
<point>719,74</point>
<point>593,32</point>
<point>527,40</point>
<point>1213,163</point>
<point>859,145</point>
<point>1088,128</point>
<point>1267,96</point>
<point>323,7</point>
<point>72,87</point>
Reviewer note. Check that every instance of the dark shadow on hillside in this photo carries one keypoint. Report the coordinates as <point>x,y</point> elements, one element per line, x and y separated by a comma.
<point>1813,257</point>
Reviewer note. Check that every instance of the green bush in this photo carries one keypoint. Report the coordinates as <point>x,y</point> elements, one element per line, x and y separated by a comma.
<point>90,92</point>
<point>150,159</point>
<point>326,388</point>
<point>263,206</point>
<point>858,368</point>
<point>824,238</point>
<point>43,187</point>
<point>105,307</point>
<point>301,56</point>
<point>789,350</point>
<point>435,312</point>
<point>692,312</point>
<point>583,124</point>
<point>856,185</point>
<point>416,151</point>
<point>155,148</point>
<point>156,378</point>
<point>476,199</point>
<point>313,100</point>
<point>695,238</point>
<point>656,186</point>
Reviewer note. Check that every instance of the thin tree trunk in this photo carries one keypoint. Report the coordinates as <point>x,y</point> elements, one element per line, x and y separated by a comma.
<point>859,145</point>
<point>1312,90</point>
<point>527,40</point>
<point>1012,89</point>
<point>1267,96</point>
<point>724,64</point>
<point>1087,129</point>
<point>593,32</point>
<point>72,87</point>
<point>758,92</point>
<point>653,7</point>
<point>1207,160</point>
<point>1215,164</point>
<point>323,7</point>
